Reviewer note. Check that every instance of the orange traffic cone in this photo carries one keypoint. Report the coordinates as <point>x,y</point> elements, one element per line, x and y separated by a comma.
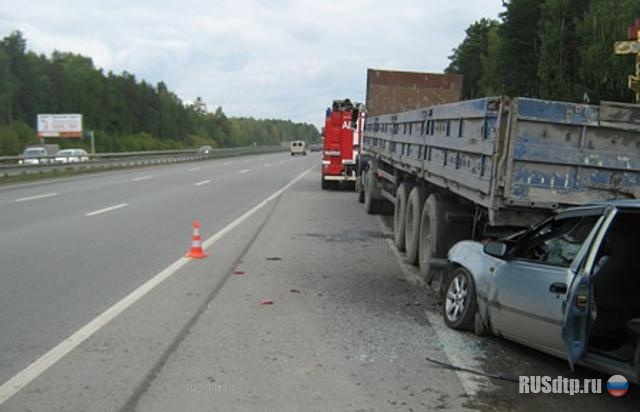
<point>196,251</point>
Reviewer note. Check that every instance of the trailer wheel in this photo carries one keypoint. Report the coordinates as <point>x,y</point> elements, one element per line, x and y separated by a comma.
<point>371,206</point>
<point>412,223</point>
<point>360,185</point>
<point>432,233</point>
<point>399,215</point>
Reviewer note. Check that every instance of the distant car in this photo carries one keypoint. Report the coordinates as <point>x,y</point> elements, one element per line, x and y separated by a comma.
<point>297,147</point>
<point>71,156</point>
<point>315,148</point>
<point>205,150</point>
<point>569,286</point>
<point>34,156</point>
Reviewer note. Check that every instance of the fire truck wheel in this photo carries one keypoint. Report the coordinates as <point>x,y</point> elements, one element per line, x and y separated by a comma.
<point>325,184</point>
<point>399,215</point>
<point>412,223</point>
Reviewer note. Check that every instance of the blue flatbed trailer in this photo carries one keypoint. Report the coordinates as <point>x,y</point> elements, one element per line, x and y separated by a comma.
<point>492,165</point>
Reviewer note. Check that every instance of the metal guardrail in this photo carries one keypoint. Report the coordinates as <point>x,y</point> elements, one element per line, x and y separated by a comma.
<point>10,166</point>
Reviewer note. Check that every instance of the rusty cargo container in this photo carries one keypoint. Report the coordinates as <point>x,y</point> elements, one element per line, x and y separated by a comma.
<point>398,91</point>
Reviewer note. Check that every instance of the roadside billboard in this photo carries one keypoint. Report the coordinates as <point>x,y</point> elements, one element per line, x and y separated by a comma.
<point>59,125</point>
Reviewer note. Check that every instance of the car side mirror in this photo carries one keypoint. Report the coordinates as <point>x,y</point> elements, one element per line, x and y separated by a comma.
<point>495,249</point>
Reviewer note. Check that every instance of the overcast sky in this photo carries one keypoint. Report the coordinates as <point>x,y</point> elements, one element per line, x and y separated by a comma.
<point>284,59</point>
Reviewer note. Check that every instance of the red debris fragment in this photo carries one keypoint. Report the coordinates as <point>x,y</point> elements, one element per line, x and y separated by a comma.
<point>266,302</point>
<point>238,272</point>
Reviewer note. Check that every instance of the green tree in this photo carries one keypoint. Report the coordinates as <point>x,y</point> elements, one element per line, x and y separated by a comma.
<point>603,75</point>
<point>465,57</point>
<point>559,47</point>
<point>8,87</point>
<point>14,47</point>
<point>489,83</point>
<point>518,47</point>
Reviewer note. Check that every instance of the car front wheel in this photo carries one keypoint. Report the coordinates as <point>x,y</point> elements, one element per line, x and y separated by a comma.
<point>459,306</point>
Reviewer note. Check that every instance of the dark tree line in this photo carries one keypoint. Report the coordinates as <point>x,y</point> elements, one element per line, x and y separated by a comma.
<point>551,49</point>
<point>125,113</point>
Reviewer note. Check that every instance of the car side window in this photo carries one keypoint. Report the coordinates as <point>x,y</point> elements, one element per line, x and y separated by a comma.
<point>557,242</point>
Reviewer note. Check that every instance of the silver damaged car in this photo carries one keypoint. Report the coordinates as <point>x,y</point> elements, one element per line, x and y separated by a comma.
<point>569,286</point>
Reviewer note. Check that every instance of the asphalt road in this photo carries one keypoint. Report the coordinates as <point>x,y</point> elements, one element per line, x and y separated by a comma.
<point>62,263</point>
<point>345,328</point>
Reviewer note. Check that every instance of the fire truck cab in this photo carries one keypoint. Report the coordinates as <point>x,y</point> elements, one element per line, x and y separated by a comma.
<point>342,133</point>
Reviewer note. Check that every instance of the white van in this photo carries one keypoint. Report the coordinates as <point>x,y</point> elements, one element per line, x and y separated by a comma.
<point>298,147</point>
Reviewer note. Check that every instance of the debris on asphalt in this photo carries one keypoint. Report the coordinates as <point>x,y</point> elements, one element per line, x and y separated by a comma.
<point>266,302</point>
<point>238,272</point>
<point>294,291</point>
<point>450,366</point>
<point>274,258</point>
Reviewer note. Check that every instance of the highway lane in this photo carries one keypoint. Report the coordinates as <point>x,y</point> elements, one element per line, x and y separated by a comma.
<point>71,248</point>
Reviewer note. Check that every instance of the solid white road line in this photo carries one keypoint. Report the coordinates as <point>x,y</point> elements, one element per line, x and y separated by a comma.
<point>137,179</point>
<point>194,169</point>
<point>267,165</point>
<point>204,182</point>
<point>457,345</point>
<point>25,199</point>
<point>31,372</point>
<point>107,209</point>
<point>226,164</point>
<point>244,171</point>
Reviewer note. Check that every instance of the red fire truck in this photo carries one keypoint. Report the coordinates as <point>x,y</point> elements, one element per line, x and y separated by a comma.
<point>342,134</point>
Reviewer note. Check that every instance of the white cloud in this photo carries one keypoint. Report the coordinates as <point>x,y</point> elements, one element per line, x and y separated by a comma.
<point>261,58</point>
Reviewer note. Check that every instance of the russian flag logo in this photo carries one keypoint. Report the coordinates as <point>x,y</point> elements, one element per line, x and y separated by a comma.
<point>617,385</point>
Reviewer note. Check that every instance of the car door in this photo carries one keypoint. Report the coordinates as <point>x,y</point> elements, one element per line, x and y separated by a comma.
<point>579,298</point>
<point>530,289</point>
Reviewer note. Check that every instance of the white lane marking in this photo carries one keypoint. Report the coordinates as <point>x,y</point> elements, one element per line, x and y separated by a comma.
<point>267,165</point>
<point>226,164</point>
<point>31,372</point>
<point>137,179</point>
<point>25,199</point>
<point>457,348</point>
<point>204,182</point>
<point>244,171</point>
<point>107,209</point>
<point>194,169</point>
<point>454,344</point>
